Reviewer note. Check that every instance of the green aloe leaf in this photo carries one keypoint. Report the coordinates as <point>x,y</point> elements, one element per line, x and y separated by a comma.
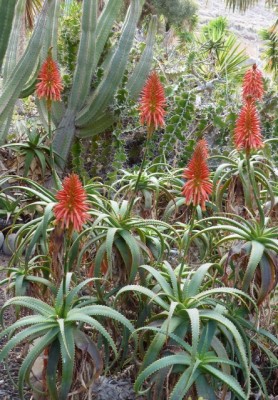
<point>33,354</point>
<point>228,380</point>
<point>103,311</point>
<point>158,341</point>
<point>73,294</point>
<point>267,277</point>
<point>204,388</point>
<point>66,340</point>
<point>147,292</point>
<point>110,238</point>
<point>257,252</point>
<point>237,337</point>
<point>84,343</point>
<point>182,359</point>
<point>197,279</point>
<point>194,318</point>
<point>51,370</point>
<point>62,293</point>
<point>76,317</point>
<point>159,278</point>
<point>134,251</point>
<point>24,301</point>
<point>186,380</point>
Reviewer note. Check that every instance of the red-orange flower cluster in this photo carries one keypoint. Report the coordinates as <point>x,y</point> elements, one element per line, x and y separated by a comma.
<point>72,207</point>
<point>247,131</point>
<point>198,186</point>
<point>253,84</point>
<point>50,85</point>
<point>247,134</point>
<point>153,103</point>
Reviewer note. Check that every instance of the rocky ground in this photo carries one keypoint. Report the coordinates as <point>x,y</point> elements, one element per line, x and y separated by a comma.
<point>245,25</point>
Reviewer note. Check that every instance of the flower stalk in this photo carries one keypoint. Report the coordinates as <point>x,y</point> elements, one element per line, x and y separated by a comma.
<point>185,252</point>
<point>196,190</point>
<point>152,112</point>
<point>71,211</point>
<point>50,88</point>
<point>253,84</point>
<point>255,188</point>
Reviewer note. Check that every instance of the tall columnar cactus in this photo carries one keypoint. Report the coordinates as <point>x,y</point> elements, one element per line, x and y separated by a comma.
<point>18,73</point>
<point>86,113</point>
<point>6,13</point>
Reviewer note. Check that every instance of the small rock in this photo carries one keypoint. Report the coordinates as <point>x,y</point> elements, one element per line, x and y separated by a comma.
<point>107,389</point>
<point>9,244</point>
<point>1,239</point>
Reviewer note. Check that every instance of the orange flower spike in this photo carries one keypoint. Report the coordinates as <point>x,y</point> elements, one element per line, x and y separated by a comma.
<point>72,207</point>
<point>153,103</point>
<point>198,186</point>
<point>253,84</point>
<point>50,85</point>
<point>247,134</point>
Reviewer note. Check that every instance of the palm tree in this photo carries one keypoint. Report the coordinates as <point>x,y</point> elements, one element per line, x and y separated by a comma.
<point>243,5</point>
<point>32,7</point>
<point>270,37</point>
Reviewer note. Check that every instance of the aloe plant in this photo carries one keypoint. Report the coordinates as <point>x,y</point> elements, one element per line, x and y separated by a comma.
<point>85,113</point>
<point>255,247</point>
<point>59,326</point>
<point>33,149</point>
<point>235,167</point>
<point>186,309</point>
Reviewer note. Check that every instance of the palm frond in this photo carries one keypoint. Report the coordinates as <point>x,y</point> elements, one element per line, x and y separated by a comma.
<point>243,5</point>
<point>31,9</point>
<point>270,55</point>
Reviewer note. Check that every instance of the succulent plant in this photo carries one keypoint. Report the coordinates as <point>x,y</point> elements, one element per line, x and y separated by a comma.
<point>7,13</point>
<point>86,113</point>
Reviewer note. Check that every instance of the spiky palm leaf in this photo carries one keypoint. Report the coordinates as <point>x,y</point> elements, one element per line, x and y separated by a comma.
<point>243,5</point>
<point>270,37</point>
<point>31,9</point>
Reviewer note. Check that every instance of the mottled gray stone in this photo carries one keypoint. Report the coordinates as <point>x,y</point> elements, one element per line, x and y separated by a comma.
<point>1,240</point>
<point>116,389</point>
<point>9,244</point>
